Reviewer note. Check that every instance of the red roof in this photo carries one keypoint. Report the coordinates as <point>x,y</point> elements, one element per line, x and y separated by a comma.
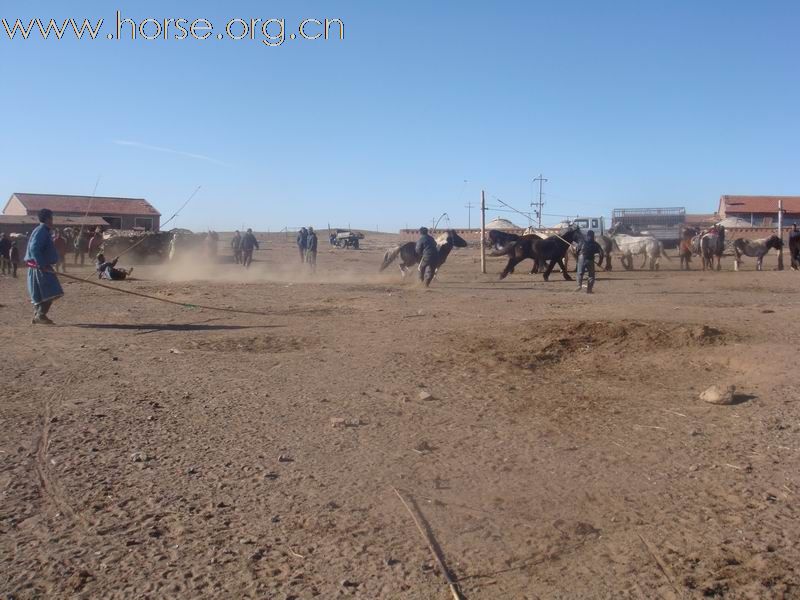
<point>734,205</point>
<point>83,204</point>
<point>57,221</point>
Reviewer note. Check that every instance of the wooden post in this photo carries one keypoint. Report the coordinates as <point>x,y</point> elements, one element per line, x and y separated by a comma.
<point>483,231</point>
<point>780,234</point>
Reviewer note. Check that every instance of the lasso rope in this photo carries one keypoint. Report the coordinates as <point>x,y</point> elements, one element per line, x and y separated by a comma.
<point>144,237</point>
<point>175,302</point>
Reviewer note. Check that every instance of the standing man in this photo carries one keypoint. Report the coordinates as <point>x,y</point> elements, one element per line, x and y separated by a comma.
<point>236,246</point>
<point>311,249</point>
<point>61,247</point>
<point>43,284</point>
<point>81,246</point>
<point>95,244</point>
<point>13,255</point>
<point>249,244</point>
<point>428,252</point>
<point>302,242</point>
<point>5,250</point>
<point>587,250</point>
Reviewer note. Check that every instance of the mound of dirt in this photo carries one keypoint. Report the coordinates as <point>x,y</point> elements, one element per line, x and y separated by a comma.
<point>567,341</point>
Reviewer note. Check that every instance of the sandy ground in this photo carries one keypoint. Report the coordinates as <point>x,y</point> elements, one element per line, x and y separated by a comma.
<point>155,451</point>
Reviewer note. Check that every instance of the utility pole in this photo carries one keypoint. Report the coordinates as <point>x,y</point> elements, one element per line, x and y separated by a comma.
<point>540,204</point>
<point>483,231</point>
<point>780,234</point>
<point>469,206</point>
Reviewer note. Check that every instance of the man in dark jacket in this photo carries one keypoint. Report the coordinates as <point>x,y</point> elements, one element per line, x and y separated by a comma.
<point>249,244</point>
<point>302,243</point>
<point>588,249</point>
<point>311,249</point>
<point>5,249</point>
<point>428,253</point>
<point>236,246</point>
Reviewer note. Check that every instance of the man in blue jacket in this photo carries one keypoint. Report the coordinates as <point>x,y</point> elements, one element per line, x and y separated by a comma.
<point>428,253</point>
<point>41,258</point>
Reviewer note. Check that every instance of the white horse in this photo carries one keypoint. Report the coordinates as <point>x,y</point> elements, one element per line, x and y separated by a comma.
<point>757,249</point>
<point>629,245</point>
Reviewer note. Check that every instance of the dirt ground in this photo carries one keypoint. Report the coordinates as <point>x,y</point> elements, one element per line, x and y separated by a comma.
<point>158,451</point>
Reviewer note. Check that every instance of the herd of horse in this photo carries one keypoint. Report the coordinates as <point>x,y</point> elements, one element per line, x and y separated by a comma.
<point>549,251</point>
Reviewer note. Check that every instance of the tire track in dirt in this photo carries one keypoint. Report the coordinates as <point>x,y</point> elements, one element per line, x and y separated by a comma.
<point>46,482</point>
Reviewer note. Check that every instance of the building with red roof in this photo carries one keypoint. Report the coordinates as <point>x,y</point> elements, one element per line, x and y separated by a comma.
<point>118,213</point>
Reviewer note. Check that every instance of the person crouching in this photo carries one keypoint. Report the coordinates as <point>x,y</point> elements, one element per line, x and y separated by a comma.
<point>107,269</point>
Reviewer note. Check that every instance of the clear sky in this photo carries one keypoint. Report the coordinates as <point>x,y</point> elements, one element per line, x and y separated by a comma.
<point>618,103</point>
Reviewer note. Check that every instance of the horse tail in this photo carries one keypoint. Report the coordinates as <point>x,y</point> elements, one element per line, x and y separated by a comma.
<point>390,257</point>
<point>661,251</point>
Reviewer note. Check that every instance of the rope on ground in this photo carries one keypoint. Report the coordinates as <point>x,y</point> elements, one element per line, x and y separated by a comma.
<point>175,302</point>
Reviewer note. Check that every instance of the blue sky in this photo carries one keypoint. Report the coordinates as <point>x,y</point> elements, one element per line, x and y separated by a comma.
<point>618,104</point>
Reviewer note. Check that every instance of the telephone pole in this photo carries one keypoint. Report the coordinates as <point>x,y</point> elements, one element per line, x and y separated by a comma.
<point>540,204</point>
<point>483,232</point>
<point>469,206</point>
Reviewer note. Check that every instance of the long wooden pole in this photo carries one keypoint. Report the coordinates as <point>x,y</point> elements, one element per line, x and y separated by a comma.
<point>450,583</point>
<point>483,232</point>
<point>780,234</point>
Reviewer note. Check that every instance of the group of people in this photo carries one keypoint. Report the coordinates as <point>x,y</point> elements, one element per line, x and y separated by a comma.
<point>9,255</point>
<point>307,246</point>
<point>243,247</point>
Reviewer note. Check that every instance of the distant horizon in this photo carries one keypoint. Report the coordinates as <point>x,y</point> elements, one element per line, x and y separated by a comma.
<point>501,213</point>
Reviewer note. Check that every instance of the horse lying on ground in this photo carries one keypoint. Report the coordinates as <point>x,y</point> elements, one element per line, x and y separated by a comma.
<point>757,249</point>
<point>407,252</point>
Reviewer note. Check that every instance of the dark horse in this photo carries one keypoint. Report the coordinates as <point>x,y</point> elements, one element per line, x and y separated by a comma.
<point>794,248</point>
<point>550,251</point>
<point>408,252</point>
<point>712,245</point>
<point>517,251</point>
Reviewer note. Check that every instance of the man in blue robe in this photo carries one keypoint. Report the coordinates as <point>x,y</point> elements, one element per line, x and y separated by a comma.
<point>41,258</point>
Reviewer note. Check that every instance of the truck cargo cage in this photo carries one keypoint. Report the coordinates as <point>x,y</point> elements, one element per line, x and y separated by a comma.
<point>663,223</point>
